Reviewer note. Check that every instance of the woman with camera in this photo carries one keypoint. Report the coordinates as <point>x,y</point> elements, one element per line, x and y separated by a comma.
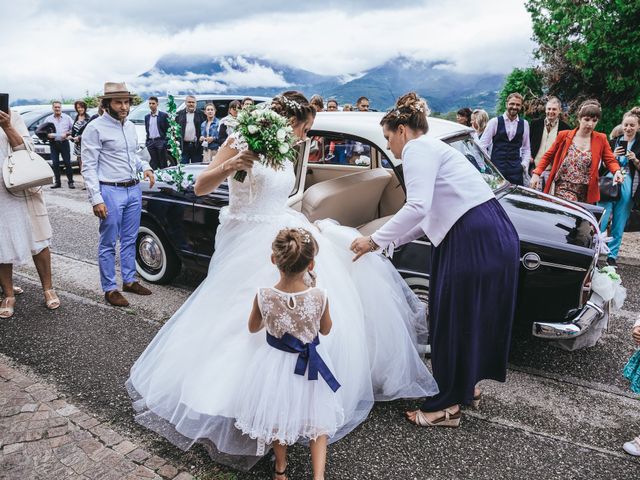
<point>626,148</point>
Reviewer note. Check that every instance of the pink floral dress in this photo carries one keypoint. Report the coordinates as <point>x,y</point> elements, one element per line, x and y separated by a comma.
<point>572,180</point>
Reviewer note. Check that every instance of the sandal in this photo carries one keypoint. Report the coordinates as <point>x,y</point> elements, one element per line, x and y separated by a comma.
<point>51,299</point>
<point>18,291</point>
<point>449,419</point>
<point>7,307</point>
<point>277,474</point>
<point>633,447</point>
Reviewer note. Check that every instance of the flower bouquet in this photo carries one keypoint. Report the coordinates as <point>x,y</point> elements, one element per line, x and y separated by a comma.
<point>266,133</point>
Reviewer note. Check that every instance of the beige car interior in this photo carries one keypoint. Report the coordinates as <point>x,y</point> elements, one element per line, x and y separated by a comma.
<point>354,200</point>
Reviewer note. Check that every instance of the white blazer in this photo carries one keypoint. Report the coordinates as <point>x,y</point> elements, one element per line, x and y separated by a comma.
<point>442,185</point>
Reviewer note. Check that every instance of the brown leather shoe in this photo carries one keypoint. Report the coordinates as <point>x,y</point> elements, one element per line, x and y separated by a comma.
<point>136,288</point>
<point>115,298</point>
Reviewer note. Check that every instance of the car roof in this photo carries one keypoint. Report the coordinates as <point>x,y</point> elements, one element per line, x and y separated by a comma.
<point>366,125</point>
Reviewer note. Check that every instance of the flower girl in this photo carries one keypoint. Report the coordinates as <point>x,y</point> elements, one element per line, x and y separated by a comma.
<point>283,399</point>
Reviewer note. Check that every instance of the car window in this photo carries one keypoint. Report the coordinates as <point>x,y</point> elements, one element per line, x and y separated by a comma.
<point>476,156</point>
<point>138,113</point>
<point>338,150</point>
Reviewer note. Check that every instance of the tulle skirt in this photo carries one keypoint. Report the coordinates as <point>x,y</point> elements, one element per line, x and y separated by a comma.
<point>188,383</point>
<point>278,405</point>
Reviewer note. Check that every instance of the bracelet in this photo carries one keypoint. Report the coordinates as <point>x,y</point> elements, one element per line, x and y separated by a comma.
<point>373,246</point>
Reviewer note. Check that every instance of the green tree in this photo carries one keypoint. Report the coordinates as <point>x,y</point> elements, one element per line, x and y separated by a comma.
<point>589,49</point>
<point>528,82</point>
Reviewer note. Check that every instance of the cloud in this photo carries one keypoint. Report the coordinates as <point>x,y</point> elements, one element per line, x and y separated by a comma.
<point>252,75</point>
<point>54,49</point>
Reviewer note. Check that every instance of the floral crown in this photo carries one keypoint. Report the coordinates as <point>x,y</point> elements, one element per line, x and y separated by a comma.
<point>290,103</point>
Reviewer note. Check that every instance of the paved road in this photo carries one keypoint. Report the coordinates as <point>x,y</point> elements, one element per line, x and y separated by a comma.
<point>560,414</point>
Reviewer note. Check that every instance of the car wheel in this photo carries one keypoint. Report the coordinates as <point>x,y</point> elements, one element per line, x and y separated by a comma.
<point>156,261</point>
<point>420,286</point>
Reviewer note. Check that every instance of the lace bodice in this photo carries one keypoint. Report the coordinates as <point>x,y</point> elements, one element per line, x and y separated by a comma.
<point>264,191</point>
<point>297,314</point>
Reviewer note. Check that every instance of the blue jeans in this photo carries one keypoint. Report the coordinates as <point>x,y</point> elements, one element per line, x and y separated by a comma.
<point>124,205</point>
<point>621,209</point>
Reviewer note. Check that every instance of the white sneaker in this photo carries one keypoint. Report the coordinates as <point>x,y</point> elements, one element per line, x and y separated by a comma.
<point>633,447</point>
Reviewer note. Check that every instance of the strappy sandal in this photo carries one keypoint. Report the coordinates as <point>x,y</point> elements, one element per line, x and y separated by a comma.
<point>449,419</point>
<point>6,310</point>
<point>18,291</point>
<point>51,299</point>
<point>277,474</point>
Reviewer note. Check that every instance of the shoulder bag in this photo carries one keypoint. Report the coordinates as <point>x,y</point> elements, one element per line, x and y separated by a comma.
<point>24,169</point>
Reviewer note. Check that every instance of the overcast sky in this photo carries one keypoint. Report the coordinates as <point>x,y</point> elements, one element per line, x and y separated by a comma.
<point>54,48</point>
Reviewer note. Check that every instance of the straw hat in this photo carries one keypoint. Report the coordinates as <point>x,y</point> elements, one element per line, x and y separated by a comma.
<point>115,90</point>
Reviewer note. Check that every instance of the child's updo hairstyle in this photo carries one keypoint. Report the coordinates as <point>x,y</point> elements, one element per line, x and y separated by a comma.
<point>590,108</point>
<point>294,106</point>
<point>411,111</point>
<point>294,249</point>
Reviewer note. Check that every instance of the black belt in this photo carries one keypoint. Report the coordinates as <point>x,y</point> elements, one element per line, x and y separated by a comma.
<point>156,138</point>
<point>129,183</point>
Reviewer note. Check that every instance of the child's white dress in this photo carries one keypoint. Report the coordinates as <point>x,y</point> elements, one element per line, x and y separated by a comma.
<point>277,404</point>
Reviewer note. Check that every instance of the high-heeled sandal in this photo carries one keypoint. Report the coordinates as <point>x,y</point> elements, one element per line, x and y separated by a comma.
<point>6,310</point>
<point>51,299</point>
<point>449,419</point>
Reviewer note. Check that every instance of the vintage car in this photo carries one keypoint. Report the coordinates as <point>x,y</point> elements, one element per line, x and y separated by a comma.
<point>345,172</point>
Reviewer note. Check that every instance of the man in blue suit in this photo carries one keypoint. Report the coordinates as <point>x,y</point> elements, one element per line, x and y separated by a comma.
<point>156,125</point>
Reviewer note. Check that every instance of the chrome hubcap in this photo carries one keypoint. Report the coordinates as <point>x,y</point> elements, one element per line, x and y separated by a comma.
<point>150,252</point>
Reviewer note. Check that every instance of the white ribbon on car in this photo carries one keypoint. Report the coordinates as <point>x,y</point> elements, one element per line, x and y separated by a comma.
<point>601,240</point>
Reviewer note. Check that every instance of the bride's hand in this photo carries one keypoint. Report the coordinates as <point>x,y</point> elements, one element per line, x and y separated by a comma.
<point>242,161</point>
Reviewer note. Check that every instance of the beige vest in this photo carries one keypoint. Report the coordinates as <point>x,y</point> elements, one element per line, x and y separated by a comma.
<point>547,140</point>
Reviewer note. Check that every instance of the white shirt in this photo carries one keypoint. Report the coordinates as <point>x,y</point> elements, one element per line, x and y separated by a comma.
<point>153,125</point>
<point>548,137</point>
<point>190,129</point>
<point>441,187</point>
<point>511,126</point>
<point>109,154</point>
<point>63,124</point>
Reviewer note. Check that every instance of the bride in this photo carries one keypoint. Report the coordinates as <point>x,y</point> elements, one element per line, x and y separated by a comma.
<point>185,384</point>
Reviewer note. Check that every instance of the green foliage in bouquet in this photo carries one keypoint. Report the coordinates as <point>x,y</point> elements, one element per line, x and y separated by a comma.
<point>266,133</point>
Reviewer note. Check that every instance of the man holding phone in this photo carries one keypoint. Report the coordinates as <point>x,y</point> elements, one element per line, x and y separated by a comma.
<point>59,143</point>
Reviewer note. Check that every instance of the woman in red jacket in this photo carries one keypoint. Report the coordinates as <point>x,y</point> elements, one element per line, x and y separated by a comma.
<point>576,156</point>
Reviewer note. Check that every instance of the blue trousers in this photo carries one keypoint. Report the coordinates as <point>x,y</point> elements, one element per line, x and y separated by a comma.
<point>621,210</point>
<point>124,205</point>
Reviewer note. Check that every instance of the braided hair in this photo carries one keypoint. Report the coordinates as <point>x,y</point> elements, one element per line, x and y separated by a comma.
<point>294,106</point>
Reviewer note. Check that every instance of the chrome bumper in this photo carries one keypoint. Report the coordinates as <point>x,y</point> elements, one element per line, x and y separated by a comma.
<point>591,312</point>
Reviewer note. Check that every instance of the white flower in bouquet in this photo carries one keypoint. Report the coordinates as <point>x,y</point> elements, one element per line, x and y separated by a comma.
<point>266,133</point>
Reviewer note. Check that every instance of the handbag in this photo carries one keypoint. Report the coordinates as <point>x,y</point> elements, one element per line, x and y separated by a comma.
<point>24,169</point>
<point>609,191</point>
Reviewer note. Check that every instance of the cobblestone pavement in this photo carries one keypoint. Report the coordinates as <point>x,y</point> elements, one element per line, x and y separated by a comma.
<point>44,437</point>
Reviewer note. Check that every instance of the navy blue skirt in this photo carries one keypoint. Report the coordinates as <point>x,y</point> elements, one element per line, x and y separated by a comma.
<point>473,289</point>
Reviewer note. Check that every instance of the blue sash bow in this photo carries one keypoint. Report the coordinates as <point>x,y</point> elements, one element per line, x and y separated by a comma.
<point>308,357</point>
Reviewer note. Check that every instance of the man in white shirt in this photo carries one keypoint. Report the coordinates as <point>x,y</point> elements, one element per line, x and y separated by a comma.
<point>59,143</point>
<point>110,168</point>
<point>190,120</point>
<point>506,139</point>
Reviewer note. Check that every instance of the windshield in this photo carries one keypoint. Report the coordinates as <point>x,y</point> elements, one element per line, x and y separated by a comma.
<point>479,159</point>
<point>30,117</point>
<point>138,113</point>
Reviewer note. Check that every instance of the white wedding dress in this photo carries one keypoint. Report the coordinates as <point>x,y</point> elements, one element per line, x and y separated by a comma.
<point>185,385</point>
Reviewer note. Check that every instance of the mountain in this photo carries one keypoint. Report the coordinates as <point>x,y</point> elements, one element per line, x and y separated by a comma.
<point>444,88</point>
